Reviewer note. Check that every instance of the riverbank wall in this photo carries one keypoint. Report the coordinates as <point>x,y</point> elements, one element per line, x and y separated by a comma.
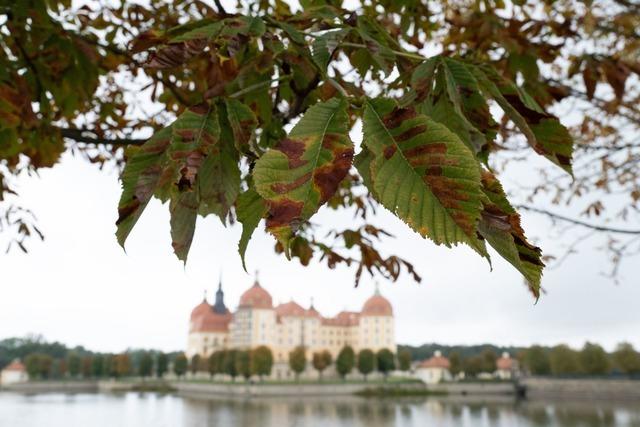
<point>591,389</point>
<point>474,388</point>
<point>53,387</point>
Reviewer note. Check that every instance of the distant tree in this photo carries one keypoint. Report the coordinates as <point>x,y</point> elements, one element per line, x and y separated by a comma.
<point>59,368</point>
<point>97,366</point>
<point>180,365</point>
<point>32,365</point>
<point>74,364</point>
<point>537,361</point>
<point>46,365</point>
<point>162,364</point>
<point>123,365</point>
<point>404,360</point>
<point>564,360</point>
<point>455,363</point>
<point>473,365</point>
<point>110,366</point>
<point>321,360</point>
<point>262,361</point>
<point>489,358</point>
<point>214,363</point>
<point>385,362</point>
<point>229,363</point>
<point>627,359</point>
<point>345,361</point>
<point>594,360</point>
<point>145,368</point>
<point>195,364</point>
<point>366,362</point>
<point>298,361</point>
<point>85,369</point>
<point>243,364</point>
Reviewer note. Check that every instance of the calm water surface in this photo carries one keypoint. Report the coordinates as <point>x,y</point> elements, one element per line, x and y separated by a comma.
<point>149,409</point>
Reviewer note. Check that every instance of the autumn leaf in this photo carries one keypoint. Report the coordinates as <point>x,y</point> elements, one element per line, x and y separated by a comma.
<point>304,170</point>
<point>423,173</point>
<point>250,209</point>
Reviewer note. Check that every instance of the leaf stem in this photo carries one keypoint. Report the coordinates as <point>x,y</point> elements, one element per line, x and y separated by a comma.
<point>255,86</point>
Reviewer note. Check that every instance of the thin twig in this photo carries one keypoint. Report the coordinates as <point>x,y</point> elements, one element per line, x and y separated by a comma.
<point>577,221</point>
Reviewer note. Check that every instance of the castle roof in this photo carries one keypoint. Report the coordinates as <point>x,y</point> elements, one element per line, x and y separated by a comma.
<point>504,363</point>
<point>344,318</point>
<point>256,297</point>
<point>290,308</point>
<point>211,322</point>
<point>437,361</point>
<point>377,305</point>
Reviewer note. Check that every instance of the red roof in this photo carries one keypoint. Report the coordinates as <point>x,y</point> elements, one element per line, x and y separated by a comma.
<point>435,362</point>
<point>200,309</point>
<point>344,318</point>
<point>256,297</point>
<point>504,363</point>
<point>377,305</point>
<point>15,366</point>
<point>211,322</point>
<point>290,308</point>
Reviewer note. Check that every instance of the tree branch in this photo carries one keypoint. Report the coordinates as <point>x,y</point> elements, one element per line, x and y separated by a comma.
<point>79,135</point>
<point>577,221</point>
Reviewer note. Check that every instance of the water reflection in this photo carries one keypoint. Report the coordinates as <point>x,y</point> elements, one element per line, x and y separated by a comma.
<point>132,409</point>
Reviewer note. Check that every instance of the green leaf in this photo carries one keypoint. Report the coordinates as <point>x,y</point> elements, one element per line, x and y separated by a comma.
<point>379,44</point>
<point>500,226</point>
<point>250,209</point>
<point>543,131</point>
<point>184,212</point>
<point>139,180</point>
<point>424,174</point>
<point>208,31</point>
<point>219,175</point>
<point>243,123</point>
<point>305,169</point>
<point>324,46</point>
<point>363,162</point>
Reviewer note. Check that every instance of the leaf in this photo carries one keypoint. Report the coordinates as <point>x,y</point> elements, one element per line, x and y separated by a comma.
<point>500,226</point>
<point>184,212</point>
<point>423,173</point>
<point>208,31</point>
<point>544,132</point>
<point>139,180</point>
<point>379,44</point>
<point>250,209</point>
<point>325,45</point>
<point>304,170</point>
<point>362,162</point>
<point>219,176</point>
<point>243,123</point>
<point>175,54</point>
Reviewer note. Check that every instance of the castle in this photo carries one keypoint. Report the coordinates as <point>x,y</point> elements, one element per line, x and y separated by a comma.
<point>286,326</point>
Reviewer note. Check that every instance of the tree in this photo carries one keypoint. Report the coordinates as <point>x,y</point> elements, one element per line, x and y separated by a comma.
<point>489,358</point>
<point>627,359</point>
<point>162,364</point>
<point>537,361</point>
<point>195,364</point>
<point>213,72</point>
<point>59,368</point>
<point>243,364</point>
<point>262,361</point>
<point>145,369</point>
<point>345,361</point>
<point>122,364</point>
<point>86,365</point>
<point>321,360</point>
<point>32,365</point>
<point>594,360</point>
<point>455,363</point>
<point>110,366</point>
<point>45,365</point>
<point>229,363</point>
<point>473,365</point>
<point>404,360</point>
<point>97,366</point>
<point>366,362</point>
<point>563,360</point>
<point>214,364</point>
<point>298,361</point>
<point>385,362</point>
<point>180,365</point>
<point>73,364</point>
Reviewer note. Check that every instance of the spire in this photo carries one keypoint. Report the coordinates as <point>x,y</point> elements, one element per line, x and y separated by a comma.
<point>311,304</point>
<point>256,282</point>
<point>219,306</point>
<point>377,291</point>
<point>204,298</point>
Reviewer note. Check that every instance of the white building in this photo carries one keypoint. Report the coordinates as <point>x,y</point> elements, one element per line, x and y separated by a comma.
<point>434,370</point>
<point>506,367</point>
<point>286,326</point>
<point>14,373</point>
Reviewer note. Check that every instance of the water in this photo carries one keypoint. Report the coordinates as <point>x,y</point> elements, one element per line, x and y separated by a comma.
<point>150,409</point>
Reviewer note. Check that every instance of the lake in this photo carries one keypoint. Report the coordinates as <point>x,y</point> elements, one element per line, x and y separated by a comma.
<point>157,410</point>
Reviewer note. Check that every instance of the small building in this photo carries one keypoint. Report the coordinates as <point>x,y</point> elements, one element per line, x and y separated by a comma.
<point>505,367</point>
<point>14,372</point>
<point>434,370</point>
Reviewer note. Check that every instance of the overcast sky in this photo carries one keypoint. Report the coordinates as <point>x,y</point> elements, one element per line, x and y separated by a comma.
<point>80,287</point>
